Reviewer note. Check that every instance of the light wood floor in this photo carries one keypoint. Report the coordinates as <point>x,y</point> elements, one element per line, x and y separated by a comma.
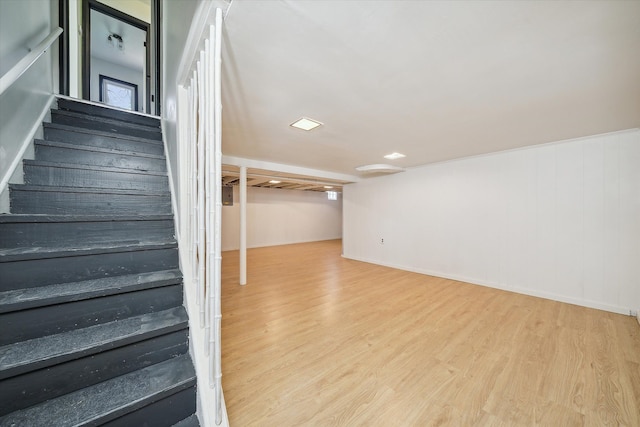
<point>317,340</point>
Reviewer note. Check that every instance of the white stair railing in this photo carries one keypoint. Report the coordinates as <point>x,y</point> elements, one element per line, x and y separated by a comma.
<point>28,60</point>
<point>204,198</point>
<point>6,81</point>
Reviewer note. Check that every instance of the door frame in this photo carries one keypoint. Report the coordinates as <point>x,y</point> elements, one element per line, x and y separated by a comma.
<point>87,7</point>
<point>63,49</point>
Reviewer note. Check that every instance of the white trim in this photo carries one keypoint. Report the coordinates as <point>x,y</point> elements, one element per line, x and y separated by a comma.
<point>28,141</point>
<point>202,19</point>
<point>526,147</point>
<point>27,61</point>
<point>279,167</point>
<point>174,202</point>
<point>287,242</point>
<point>109,107</point>
<point>524,291</point>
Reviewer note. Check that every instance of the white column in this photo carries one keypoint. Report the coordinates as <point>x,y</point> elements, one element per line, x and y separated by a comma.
<point>243,225</point>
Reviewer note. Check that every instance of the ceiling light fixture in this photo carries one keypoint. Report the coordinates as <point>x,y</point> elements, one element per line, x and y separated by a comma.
<point>115,40</point>
<point>274,181</point>
<point>305,123</point>
<point>394,156</point>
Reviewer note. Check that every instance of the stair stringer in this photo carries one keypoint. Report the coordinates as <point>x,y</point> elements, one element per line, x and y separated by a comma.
<point>9,257</point>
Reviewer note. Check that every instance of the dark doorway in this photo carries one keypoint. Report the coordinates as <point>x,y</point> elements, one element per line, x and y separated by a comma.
<point>114,44</point>
<point>117,45</point>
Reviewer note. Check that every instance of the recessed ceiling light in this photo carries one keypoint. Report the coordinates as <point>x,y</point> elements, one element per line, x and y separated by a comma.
<point>274,181</point>
<point>305,123</point>
<point>328,186</point>
<point>394,156</point>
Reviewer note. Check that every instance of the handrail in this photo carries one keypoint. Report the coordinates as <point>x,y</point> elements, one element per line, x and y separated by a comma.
<point>27,61</point>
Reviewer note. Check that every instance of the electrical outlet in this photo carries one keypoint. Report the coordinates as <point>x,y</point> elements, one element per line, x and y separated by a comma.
<point>381,241</point>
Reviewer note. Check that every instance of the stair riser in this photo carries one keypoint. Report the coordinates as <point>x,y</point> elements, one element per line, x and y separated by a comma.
<point>47,202</point>
<point>101,141</point>
<point>96,110</point>
<point>42,272</point>
<point>56,234</point>
<point>37,386</point>
<point>163,413</point>
<point>190,421</point>
<point>67,177</point>
<point>55,319</point>
<point>96,158</point>
<point>114,128</point>
<point>118,397</point>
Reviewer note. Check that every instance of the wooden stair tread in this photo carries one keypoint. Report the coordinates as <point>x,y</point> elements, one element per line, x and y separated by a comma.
<point>110,399</point>
<point>38,353</point>
<point>92,132</point>
<point>55,189</point>
<point>20,254</point>
<point>19,218</point>
<point>22,299</point>
<point>81,147</point>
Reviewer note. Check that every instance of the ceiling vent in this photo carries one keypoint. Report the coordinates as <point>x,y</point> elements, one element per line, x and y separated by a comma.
<point>380,168</point>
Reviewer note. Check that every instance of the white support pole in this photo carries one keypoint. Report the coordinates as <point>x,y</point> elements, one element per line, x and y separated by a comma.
<point>217,329</point>
<point>193,200</point>
<point>208,185</point>
<point>212,186</point>
<point>243,225</point>
<point>201,208</point>
<point>188,235</point>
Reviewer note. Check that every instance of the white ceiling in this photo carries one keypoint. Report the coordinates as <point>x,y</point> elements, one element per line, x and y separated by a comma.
<point>435,80</point>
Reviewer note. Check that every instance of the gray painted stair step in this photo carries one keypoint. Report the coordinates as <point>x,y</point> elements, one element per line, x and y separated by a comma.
<point>75,135</point>
<point>34,253</point>
<point>94,331</point>
<point>110,399</point>
<point>32,387</point>
<point>22,299</point>
<point>75,175</point>
<point>191,421</point>
<point>105,125</point>
<point>18,231</point>
<point>28,270</point>
<point>55,319</point>
<point>61,152</point>
<point>24,218</point>
<point>28,199</point>
<point>108,112</point>
<point>163,413</point>
<point>38,353</point>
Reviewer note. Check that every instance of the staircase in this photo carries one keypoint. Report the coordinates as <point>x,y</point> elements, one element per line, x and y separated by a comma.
<point>92,327</point>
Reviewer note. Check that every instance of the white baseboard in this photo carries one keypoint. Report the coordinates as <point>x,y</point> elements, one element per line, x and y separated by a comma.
<point>519,290</point>
<point>25,144</point>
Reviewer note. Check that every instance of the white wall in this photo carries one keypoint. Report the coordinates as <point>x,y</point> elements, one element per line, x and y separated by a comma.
<point>23,24</point>
<point>280,217</point>
<point>137,9</point>
<point>176,21</point>
<point>129,75</point>
<point>561,220</point>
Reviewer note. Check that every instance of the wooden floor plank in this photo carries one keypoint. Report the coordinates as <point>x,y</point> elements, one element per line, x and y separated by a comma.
<point>315,339</point>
